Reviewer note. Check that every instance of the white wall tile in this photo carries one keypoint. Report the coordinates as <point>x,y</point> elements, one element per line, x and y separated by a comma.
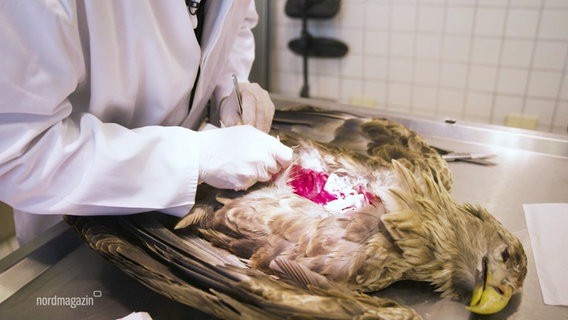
<point>556,3</point>
<point>351,66</point>
<point>398,96</point>
<point>550,55</point>
<point>400,70</point>
<point>527,3</point>
<point>376,42</point>
<point>560,118</point>
<point>517,53</point>
<point>492,3</point>
<point>467,59</point>
<point>522,23</point>
<point>453,75</point>
<point>428,46</point>
<point>351,15</point>
<point>377,15</point>
<point>430,19</point>
<point>489,21</point>
<point>564,86</point>
<point>403,17</point>
<point>325,67</point>
<point>325,87</point>
<point>376,90</point>
<point>427,72</point>
<point>504,105</point>
<point>486,51</point>
<point>375,68</point>
<point>284,59</point>
<point>543,109</point>
<point>434,2</point>
<point>324,28</point>
<point>283,34</point>
<point>482,78</point>
<point>450,103</point>
<point>350,87</point>
<point>554,24</point>
<point>478,106</point>
<point>401,44</point>
<point>456,49</point>
<point>512,81</point>
<point>459,20</point>
<point>544,84</point>
<point>468,3</point>
<point>286,82</point>
<point>425,99</point>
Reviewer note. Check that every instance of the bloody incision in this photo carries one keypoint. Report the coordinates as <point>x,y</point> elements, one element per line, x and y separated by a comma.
<point>330,191</point>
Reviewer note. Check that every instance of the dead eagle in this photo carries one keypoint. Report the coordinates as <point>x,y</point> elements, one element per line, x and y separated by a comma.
<point>365,203</point>
<point>368,219</point>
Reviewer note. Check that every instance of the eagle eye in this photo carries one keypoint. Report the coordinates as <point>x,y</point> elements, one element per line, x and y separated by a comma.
<point>505,255</point>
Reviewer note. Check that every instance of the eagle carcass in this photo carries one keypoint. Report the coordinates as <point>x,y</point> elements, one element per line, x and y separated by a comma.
<point>366,206</point>
<point>365,203</point>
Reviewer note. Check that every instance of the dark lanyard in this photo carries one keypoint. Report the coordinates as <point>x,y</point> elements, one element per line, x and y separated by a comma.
<point>196,8</point>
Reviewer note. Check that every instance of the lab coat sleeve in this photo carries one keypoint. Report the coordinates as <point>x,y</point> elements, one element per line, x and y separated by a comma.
<point>241,55</point>
<point>55,159</point>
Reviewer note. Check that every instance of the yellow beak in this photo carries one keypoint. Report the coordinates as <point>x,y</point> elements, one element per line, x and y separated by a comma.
<point>488,298</point>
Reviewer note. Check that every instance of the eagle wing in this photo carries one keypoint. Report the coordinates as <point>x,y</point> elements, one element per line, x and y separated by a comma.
<point>190,270</point>
<point>382,139</point>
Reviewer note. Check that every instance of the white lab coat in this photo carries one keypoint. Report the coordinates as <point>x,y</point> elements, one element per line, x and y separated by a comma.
<point>94,100</point>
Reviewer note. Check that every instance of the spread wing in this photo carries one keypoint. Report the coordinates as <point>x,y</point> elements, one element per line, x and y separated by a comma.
<point>381,139</point>
<point>191,271</point>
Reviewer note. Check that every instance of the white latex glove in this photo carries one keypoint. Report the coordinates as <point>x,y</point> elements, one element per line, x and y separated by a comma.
<point>258,108</point>
<point>237,157</point>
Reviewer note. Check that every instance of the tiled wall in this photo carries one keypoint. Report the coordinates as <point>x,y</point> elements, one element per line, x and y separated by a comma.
<point>476,60</point>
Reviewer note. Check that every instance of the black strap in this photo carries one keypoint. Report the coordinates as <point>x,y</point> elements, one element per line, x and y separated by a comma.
<point>200,14</point>
<point>196,8</point>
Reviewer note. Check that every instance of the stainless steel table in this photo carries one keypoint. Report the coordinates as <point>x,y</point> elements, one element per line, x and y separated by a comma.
<point>531,167</point>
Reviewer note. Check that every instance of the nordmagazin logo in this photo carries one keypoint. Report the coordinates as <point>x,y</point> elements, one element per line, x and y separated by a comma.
<point>71,302</point>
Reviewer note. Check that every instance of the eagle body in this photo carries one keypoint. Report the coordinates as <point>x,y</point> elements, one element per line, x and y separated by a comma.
<point>273,221</point>
<point>364,212</point>
<point>365,203</point>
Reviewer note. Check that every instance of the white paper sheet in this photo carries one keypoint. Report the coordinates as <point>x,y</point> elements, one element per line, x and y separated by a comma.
<point>137,316</point>
<point>548,230</point>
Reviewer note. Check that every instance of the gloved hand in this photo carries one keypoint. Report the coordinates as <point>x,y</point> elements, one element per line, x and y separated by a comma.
<point>237,157</point>
<point>258,109</point>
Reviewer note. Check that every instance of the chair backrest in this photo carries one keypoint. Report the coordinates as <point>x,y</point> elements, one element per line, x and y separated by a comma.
<point>312,9</point>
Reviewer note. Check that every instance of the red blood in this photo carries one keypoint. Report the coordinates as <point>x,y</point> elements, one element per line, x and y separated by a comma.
<point>309,184</point>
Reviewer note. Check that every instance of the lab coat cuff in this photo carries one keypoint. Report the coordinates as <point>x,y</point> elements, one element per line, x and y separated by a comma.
<point>187,156</point>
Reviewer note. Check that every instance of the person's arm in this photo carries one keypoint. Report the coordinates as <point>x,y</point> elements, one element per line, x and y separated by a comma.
<point>58,157</point>
<point>241,56</point>
<point>56,160</point>
<point>257,108</point>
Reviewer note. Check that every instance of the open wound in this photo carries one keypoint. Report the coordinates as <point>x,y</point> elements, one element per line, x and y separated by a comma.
<point>336,192</point>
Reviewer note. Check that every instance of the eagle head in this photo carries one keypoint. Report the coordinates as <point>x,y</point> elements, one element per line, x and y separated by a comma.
<point>492,265</point>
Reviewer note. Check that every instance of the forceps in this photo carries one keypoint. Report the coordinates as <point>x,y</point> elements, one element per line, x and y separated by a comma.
<point>471,157</point>
<point>238,94</point>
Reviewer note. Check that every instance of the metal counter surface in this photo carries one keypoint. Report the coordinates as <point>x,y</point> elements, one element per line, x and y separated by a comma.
<point>531,167</point>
